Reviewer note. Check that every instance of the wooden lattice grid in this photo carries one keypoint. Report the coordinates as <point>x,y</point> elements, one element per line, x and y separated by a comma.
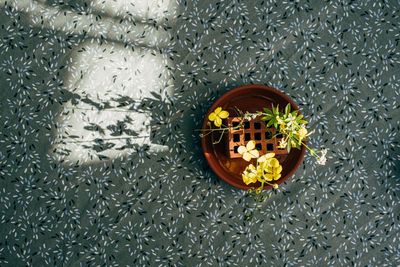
<point>255,130</point>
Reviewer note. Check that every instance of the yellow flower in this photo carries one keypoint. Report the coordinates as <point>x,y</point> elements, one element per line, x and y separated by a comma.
<point>267,169</point>
<point>250,174</point>
<point>271,169</point>
<point>302,133</point>
<point>249,152</point>
<point>218,115</point>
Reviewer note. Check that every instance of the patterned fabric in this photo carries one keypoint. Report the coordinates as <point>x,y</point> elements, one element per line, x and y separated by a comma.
<point>100,164</point>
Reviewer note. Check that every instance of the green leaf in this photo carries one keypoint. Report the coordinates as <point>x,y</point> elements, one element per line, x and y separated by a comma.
<point>275,110</point>
<point>289,145</point>
<point>268,111</point>
<point>267,117</point>
<point>287,109</point>
<point>270,123</point>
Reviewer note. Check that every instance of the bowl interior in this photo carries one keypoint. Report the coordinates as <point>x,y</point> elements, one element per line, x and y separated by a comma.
<point>250,98</point>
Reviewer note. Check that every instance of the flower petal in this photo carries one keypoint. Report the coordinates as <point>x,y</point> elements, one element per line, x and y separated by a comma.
<point>274,162</point>
<point>254,179</point>
<point>212,116</point>
<point>223,114</point>
<point>267,168</point>
<point>247,156</point>
<point>218,121</point>
<point>262,159</point>
<point>248,179</point>
<point>279,169</point>
<point>254,153</point>
<point>276,177</point>
<point>217,110</point>
<point>268,176</point>
<point>251,145</point>
<point>241,150</point>
<point>269,155</point>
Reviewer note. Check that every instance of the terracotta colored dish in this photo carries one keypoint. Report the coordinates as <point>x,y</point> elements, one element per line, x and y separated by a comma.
<point>250,98</point>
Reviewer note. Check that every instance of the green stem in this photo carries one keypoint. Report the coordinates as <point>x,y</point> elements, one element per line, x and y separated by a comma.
<point>312,151</point>
<point>220,137</point>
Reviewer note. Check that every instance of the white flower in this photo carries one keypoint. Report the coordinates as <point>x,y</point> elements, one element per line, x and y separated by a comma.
<point>249,152</point>
<point>282,143</point>
<point>249,116</point>
<point>322,159</point>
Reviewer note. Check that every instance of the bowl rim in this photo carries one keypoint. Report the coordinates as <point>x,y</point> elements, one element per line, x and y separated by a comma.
<point>206,152</point>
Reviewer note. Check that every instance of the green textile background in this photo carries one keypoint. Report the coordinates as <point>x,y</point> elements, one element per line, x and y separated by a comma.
<point>100,164</point>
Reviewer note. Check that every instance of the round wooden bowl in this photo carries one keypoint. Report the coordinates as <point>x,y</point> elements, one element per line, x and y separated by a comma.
<point>250,98</point>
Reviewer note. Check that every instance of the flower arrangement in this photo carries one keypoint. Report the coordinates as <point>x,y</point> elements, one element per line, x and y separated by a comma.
<point>266,169</point>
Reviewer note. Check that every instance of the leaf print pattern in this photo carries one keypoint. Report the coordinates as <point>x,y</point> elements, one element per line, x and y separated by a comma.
<point>99,163</point>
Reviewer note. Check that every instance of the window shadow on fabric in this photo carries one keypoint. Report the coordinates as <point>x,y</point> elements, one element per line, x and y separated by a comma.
<point>102,67</point>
